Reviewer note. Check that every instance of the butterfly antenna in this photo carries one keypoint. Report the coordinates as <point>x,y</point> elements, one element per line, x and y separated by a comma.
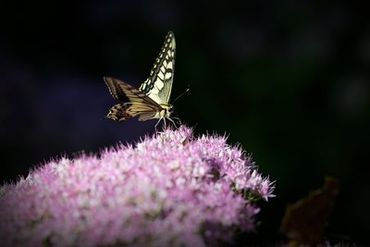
<point>178,97</point>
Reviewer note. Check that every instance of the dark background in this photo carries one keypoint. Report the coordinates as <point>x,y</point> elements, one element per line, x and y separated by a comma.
<point>288,80</point>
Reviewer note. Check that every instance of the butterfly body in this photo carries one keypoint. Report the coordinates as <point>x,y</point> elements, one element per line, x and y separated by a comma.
<point>151,99</point>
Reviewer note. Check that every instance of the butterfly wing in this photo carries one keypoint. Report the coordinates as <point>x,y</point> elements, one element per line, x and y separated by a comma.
<point>159,84</point>
<point>116,88</point>
<point>118,112</point>
<point>139,103</point>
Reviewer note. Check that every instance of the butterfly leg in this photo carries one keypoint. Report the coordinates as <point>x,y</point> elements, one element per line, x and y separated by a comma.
<point>164,123</point>
<point>173,122</point>
<point>178,119</point>
<point>155,126</point>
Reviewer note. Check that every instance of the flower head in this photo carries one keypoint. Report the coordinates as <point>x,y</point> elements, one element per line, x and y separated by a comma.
<point>171,189</point>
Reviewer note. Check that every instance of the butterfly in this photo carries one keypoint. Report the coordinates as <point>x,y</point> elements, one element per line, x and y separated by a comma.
<point>151,99</point>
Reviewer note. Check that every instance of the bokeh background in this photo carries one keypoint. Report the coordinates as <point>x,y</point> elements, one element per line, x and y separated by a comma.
<point>288,80</point>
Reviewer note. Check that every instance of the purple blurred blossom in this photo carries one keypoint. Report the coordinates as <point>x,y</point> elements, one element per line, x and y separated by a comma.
<point>172,189</point>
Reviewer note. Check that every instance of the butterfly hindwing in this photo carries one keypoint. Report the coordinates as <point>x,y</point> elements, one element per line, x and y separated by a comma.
<point>158,86</point>
<point>118,112</point>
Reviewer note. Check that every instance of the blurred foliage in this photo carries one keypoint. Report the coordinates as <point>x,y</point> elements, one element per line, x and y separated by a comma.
<point>304,222</point>
<point>287,80</point>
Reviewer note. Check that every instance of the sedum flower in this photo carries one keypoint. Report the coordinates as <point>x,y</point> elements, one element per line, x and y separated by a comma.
<point>172,189</point>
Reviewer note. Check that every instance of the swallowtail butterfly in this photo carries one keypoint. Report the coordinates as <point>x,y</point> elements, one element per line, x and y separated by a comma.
<point>151,100</point>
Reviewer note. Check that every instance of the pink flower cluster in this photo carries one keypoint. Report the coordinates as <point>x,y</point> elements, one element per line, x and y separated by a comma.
<point>168,190</point>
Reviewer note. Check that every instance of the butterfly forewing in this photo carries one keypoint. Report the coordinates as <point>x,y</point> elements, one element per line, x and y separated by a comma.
<point>158,86</point>
<point>115,88</point>
<point>120,89</point>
